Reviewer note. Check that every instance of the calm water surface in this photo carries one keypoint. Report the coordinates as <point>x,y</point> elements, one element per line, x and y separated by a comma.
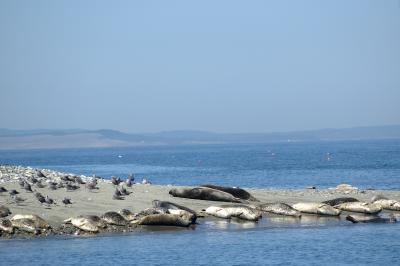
<point>274,240</point>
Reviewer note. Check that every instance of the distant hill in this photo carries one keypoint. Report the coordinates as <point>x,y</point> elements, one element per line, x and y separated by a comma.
<point>80,138</point>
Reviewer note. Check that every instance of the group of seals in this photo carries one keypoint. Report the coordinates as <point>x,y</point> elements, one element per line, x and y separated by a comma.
<point>30,223</point>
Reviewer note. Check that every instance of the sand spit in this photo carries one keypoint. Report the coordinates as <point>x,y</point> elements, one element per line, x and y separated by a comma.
<point>86,201</point>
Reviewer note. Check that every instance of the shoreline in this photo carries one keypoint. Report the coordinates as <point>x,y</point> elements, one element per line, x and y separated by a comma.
<point>97,202</point>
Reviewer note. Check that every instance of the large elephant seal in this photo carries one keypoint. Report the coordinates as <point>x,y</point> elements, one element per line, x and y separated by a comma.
<point>204,193</point>
<point>386,203</point>
<point>164,219</point>
<point>235,191</point>
<point>370,219</point>
<point>337,201</point>
<point>316,208</point>
<point>239,211</point>
<point>278,208</point>
<point>362,207</point>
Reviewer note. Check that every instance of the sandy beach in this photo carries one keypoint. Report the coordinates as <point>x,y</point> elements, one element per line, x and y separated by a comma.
<point>99,201</point>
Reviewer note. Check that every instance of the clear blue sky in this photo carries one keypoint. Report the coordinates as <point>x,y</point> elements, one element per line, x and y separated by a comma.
<point>224,66</point>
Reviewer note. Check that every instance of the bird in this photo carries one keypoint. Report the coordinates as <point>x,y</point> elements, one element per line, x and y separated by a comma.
<point>116,197</point>
<point>40,197</point>
<point>52,185</point>
<point>40,173</point>
<point>115,180</point>
<point>129,180</point>
<point>17,199</point>
<point>13,192</point>
<point>66,201</point>
<point>117,192</point>
<point>79,180</point>
<point>71,187</point>
<point>49,200</point>
<point>123,191</point>
<point>27,187</point>
<point>3,189</point>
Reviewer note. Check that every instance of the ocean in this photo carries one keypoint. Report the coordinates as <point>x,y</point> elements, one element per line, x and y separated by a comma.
<point>319,241</point>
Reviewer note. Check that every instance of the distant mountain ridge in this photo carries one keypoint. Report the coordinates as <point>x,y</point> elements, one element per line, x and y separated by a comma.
<point>76,138</point>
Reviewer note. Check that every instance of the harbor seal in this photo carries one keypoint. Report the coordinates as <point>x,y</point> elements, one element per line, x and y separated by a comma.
<point>174,208</point>
<point>164,219</point>
<point>234,191</point>
<point>386,203</point>
<point>114,218</point>
<point>4,211</point>
<point>84,223</point>
<point>316,208</point>
<point>203,193</point>
<point>38,221</point>
<point>26,225</point>
<point>127,214</point>
<point>370,219</point>
<point>337,201</point>
<point>278,208</point>
<point>362,207</point>
<point>6,226</point>
<point>239,211</point>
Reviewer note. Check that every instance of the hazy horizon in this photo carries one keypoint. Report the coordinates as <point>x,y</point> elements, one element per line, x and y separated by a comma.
<point>226,66</point>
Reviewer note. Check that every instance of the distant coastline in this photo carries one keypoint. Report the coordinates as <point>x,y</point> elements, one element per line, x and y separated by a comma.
<point>81,138</point>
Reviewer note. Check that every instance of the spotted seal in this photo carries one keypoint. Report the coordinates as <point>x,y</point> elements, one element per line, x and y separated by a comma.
<point>4,211</point>
<point>316,208</point>
<point>204,193</point>
<point>386,203</point>
<point>6,226</point>
<point>337,201</point>
<point>166,219</point>
<point>362,207</point>
<point>239,211</point>
<point>278,208</point>
<point>114,218</point>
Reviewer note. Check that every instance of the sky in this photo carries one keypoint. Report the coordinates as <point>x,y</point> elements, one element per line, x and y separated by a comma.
<point>221,66</point>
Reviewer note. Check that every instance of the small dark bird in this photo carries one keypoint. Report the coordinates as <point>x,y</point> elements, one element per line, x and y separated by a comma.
<point>40,174</point>
<point>71,187</point>
<point>3,189</point>
<point>52,186</point>
<point>117,192</point>
<point>79,180</point>
<point>17,199</point>
<point>13,192</point>
<point>115,180</point>
<point>116,197</point>
<point>21,182</point>
<point>49,200</point>
<point>66,201</point>
<point>60,185</point>
<point>123,191</point>
<point>40,197</point>
<point>28,187</point>
<point>129,181</point>
<point>91,185</point>
<point>34,180</point>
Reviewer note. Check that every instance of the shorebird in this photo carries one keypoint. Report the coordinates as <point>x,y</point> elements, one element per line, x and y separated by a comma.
<point>115,180</point>
<point>49,200</point>
<point>40,174</point>
<point>71,187</point>
<point>40,197</point>
<point>66,201</point>
<point>79,180</point>
<point>3,189</point>
<point>129,180</point>
<point>27,187</point>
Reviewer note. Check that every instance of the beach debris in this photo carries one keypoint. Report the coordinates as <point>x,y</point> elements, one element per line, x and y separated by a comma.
<point>346,187</point>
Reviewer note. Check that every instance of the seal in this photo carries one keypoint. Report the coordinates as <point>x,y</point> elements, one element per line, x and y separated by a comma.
<point>362,207</point>
<point>234,191</point>
<point>38,221</point>
<point>166,219</point>
<point>316,208</point>
<point>84,223</point>
<point>127,214</point>
<point>243,212</point>
<point>370,219</point>
<point>26,225</point>
<point>6,226</point>
<point>4,211</point>
<point>337,201</point>
<point>278,208</point>
<point>174,208</point>
<point>203,193</point>
<point>114,218</point>
<point>386,203</point>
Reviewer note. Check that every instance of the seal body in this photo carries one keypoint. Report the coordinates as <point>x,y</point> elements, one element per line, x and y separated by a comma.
<point>239,211</point>
<point>38,221</point>
<point>316,208</point>
<point>362,207</point>
<point>85,224</point>
<point>165,219</point>
<point>386,203</point>
<point>6,226</point>
<point>204,193</point>
<point>174,208</point>
<point>278,208</point>
<point>369,219</point>
<point>4,211</point>
<point>26,225</point>
<point>127,214</point>
<point>234,191</point>
<point>114,218</point>
<point>337,201</point>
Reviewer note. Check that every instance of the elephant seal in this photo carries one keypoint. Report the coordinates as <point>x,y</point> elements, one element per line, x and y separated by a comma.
<point>370,219</point>
<point>316,208</point>
<point>362,207</point>
<point>337,201</point>
<point>38,221</point>
<point>239,211</point>
<point>203,193</point>
<point>278,208</point>
<point>234,191</point>
<point>164,219</point>
<point>4,211</point>
<point>114,218</point>
<point>84,223</point>
<point>386,203</point>
<point>6,226</point>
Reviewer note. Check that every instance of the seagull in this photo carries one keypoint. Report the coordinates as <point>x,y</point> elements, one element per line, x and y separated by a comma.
<point>40,197</point>
<point>27,187</point>
<point>49,200</point>
<point>115,180</point>
<point>13,192</point>
<point>3,189</point>
<point>66,201</point>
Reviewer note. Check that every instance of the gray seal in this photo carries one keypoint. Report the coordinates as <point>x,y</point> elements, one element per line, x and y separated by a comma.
<point>235,191</point>
<point>204,193</point>
<point>370,219</point>
<point>278,208</point>
<point>337,201</point>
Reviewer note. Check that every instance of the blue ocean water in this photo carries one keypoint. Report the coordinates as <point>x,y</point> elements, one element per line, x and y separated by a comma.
<point>363,164</point>
<point>273,241</point>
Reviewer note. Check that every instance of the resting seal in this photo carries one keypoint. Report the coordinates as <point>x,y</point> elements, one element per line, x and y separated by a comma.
<point>278,208</point>
<point>4,211</point>
<point>234,191</point>
<point>164,219</point>
<point>239,211</point>
<point>316,208</point>
<point>38,221</point>
<point>114,218</point>
<point>204,193</point>
<point>337,201</point>
<point>386,203</point>
<point>362,207</point>
<point>174,208</point>
<point>370,219</point>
